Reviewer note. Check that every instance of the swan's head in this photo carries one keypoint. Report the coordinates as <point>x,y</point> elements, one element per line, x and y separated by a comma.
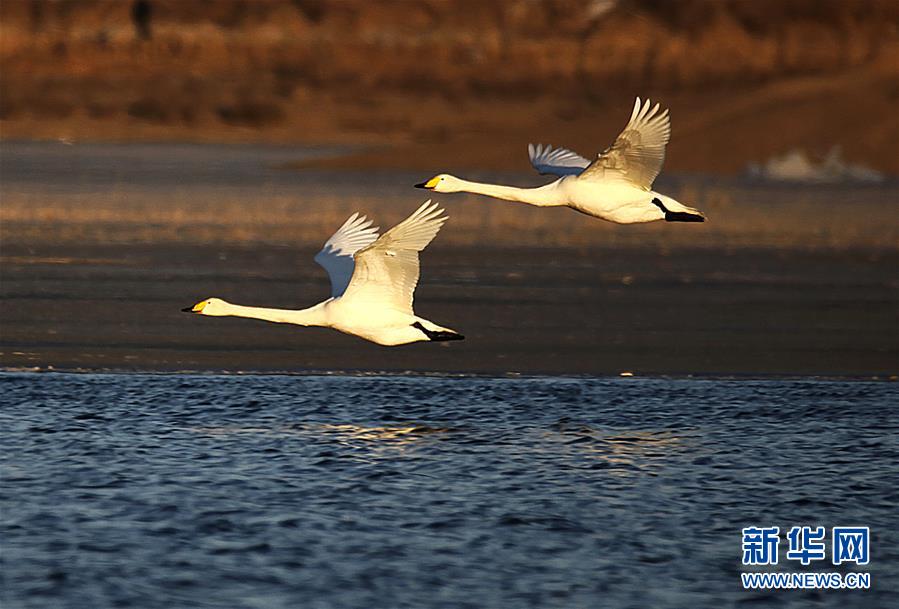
<point>442,182</point>
<point>210,306</point>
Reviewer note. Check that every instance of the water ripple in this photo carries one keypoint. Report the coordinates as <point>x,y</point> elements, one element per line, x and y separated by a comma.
<point>341,491</point>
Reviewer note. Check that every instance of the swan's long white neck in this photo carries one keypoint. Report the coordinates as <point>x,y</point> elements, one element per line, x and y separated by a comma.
<point>313,316</point>
<point>542,196</point>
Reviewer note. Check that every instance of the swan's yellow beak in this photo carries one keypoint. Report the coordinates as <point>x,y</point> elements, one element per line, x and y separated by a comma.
<point>197,308</point>
<point>429,184</point>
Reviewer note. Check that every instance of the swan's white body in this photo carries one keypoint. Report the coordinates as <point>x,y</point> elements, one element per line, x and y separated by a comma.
<point>372,283</point>
<point>617,186</point>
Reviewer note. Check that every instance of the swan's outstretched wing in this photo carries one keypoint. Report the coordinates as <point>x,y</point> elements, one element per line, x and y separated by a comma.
<point>337,255</point>
<point>638,153</point>
<point>556,161</point>
<point>387,270</point>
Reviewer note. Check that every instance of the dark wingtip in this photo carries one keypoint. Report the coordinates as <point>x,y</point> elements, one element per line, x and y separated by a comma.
<point>422,185</point>
<point>682,216</point>
<point>444,336</point>
<point>438,335</point>
<point>677,216</point>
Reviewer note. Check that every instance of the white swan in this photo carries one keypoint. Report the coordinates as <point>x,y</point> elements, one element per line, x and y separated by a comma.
<point>372,283</point>
<point>617,186</point>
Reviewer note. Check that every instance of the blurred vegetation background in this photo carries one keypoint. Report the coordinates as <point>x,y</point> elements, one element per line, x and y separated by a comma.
<point>457,83</point>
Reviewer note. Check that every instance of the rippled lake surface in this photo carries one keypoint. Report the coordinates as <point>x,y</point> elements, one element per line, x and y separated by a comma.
<point>393,491</point>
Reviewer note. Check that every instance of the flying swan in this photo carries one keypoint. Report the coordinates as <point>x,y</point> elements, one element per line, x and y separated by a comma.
<point>617,186</point>
<point>372,283</point>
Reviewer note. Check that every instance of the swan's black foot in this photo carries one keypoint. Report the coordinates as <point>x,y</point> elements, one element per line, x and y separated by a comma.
<point>678,216</point>
<point>438,335</point>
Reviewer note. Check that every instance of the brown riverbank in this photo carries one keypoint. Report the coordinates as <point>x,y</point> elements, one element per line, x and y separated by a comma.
<point>557,311</point>
<point>101,246</point>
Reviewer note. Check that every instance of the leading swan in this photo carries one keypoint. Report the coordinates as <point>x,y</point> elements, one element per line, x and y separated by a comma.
<point>372,283</point>
<point>617,186</point>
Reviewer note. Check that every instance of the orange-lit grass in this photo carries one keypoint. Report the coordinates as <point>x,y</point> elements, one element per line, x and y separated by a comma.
<point>737,218</point>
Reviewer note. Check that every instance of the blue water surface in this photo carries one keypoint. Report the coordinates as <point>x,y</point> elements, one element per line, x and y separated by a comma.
<point>162,491</point>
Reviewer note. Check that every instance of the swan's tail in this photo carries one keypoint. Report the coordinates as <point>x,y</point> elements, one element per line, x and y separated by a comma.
<point>435,332</point>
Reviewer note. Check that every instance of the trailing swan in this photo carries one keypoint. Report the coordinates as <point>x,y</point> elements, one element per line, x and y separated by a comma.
<point>617,186</point>
<point>372,283</point>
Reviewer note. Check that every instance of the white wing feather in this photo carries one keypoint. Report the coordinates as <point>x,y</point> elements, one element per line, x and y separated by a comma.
<point>638,152</point>
<point>337,255</point>
<point>556,161</point>
<point>387,270</point>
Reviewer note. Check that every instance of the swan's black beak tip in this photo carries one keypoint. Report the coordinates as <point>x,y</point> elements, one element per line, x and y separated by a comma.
<point>187,310</point>
<point>422,185</point>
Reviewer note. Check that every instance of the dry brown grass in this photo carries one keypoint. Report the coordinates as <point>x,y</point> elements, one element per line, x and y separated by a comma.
<point>458,73</point>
